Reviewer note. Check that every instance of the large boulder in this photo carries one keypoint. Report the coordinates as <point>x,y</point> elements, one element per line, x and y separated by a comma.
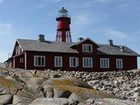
<point>8,86</point>
<point>12,92</point>
<point>50,101</point>
<point>67,81</point>
<point>5,99</point>
<point>21,100</point>
<point>72,89</point>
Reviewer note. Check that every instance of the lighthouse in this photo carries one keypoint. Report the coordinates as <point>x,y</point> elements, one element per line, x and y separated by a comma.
<point>63,26</point>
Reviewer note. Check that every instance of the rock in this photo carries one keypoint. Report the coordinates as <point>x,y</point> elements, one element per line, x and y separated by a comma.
<point>106,101</point>
<point>23,74</point>
<point>41,74</point>
<point>75,97</point>
<point>48,91</point>
<point>136,89</point>
<point>136,94</point>
<point>20,100</point>
<point>63,88</point>
<point>61,93</point>
<point>67,81</point>
<point>110,101</point>
<point>27,85</point>
<point>9,86</point>
<point>5,99</point>
<point>93,82</point>
<point>33,84</point>
<point>55,76</point>
<point>50,101</point>
<point>116,83</point>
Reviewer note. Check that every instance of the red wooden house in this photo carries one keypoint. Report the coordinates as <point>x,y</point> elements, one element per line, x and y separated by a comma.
<point>63,54</point>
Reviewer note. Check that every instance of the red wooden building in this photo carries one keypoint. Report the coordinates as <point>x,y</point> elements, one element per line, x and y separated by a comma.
<point>63,54</point>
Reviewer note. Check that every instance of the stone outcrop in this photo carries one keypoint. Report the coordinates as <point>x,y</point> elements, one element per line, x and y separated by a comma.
<point>32,87</point>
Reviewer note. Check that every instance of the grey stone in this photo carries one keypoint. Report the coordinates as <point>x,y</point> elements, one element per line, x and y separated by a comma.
<point>20,100</point>
<point>48,91</point>
<point>5,99</point>
<point>137,89</point>
<point>75,97</point>
<point>50,101</point>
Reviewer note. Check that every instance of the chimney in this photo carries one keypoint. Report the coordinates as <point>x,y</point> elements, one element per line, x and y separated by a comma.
<point>122,48</point>
<point>80,39</point>
<point>41,38</point>
<point>110,42</point>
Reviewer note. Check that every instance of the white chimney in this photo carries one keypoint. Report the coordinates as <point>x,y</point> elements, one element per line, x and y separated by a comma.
<point>122,48</point>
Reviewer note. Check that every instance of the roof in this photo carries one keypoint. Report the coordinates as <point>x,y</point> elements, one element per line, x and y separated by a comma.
<point>105,49</point>
<point>63,10</point>
<point>83,40</point>
<point>47,46</point>
<point>65,47</point>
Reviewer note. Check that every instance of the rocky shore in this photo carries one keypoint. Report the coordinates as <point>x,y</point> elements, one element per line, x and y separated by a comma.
<point>48,87</point>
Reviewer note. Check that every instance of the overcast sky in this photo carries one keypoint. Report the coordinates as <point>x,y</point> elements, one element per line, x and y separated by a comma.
<point>99,20</point>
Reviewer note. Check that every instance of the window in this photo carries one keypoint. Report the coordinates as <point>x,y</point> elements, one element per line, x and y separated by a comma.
<point>104,62</point>
<point>17,50</point>
<point>87,62</point>
<point>58,61</point>
<point>39,61</point>
<point>119,63</point>
<point>21,60</point>
<point>73,61</point>
<point>87,48</point>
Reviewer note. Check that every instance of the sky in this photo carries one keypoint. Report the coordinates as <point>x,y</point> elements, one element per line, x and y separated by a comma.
<point>99,20</point>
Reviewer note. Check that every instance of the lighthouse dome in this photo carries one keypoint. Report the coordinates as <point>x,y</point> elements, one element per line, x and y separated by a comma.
<point>63,12</point>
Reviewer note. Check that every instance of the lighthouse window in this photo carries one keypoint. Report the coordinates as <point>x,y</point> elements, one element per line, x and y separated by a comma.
<point>87,48</point>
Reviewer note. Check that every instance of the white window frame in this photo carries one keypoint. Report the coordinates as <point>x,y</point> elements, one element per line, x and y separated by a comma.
<point>104,62</point>
<point>87,59</point>
<point>119,63</point>
<point>36,63</point>
<point>21,60</point>
<point>58,61</point>
<point>71,62</point>
<point>85,48</point>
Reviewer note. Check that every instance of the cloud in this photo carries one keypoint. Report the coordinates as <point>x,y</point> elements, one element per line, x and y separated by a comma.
<point>116,34</point>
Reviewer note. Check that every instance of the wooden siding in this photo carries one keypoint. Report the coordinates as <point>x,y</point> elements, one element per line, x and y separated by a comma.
<point>129,62</point>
